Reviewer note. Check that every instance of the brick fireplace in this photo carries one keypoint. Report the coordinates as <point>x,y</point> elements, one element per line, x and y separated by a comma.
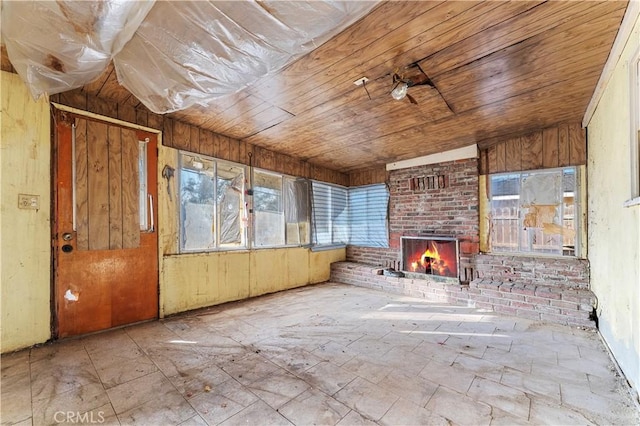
<point>436,256</point>
<point>436,200</point>
<point>441,201</point>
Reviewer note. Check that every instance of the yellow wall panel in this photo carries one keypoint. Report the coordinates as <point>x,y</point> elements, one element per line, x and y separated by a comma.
<point>25,234</point>
<point>320,263</point>
<point>613,229</point>
<point>268,271</point>
<point>233,276</point>
<point>297,267</point>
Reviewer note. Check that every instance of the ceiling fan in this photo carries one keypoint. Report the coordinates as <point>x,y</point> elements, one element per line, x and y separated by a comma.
<point>413,76</point>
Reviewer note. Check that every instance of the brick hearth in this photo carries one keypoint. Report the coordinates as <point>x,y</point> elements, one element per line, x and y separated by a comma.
<point>561,305</point>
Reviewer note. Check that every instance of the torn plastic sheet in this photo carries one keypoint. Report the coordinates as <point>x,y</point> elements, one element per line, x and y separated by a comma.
<point>297,215</point>
<point>541,189</point>
<point>229,204</point>
<point>61,45</point>
<point>188,53</point>
<point>170,54</point>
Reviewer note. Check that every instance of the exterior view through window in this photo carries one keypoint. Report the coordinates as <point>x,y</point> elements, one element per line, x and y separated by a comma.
<point>535,212</point>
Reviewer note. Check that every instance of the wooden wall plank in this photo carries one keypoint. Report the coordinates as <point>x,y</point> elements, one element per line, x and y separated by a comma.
<point>142,118</point>
<point>98,185</point>
<point>501,158</point>
<point>130,189</point>
<point>368,176</point>
<point>155,121</point>
<point>115,188</point>
<point>483,162</point>
<point>102,107</point>
<point>577,144</point>
<point>564,149</point>
<point>181,135</point>
<point>167,137</point>
<point>206,143</point>
<point>532,151</point>
<point>221,146</point>
<point>492,159</point>
<point>242,152</point>
<point>82,208</point>
<point>513,154</point>
<point>550,147</point>
<point>127,113</point>
<point>194,139</point>
<point>74,98</point>
<point>234,150</point>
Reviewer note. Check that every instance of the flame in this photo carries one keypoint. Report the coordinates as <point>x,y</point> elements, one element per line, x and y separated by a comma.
<point>431,260</point>
<point>432,253</point>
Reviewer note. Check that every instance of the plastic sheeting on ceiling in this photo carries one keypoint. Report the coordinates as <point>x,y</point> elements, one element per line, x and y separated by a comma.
<point>169,54</point>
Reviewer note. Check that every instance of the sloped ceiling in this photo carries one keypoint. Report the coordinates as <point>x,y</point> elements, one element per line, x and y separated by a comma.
<point>499,69</point>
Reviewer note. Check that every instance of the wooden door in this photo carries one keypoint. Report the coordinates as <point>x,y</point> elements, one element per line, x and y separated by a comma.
<point>105,242</point>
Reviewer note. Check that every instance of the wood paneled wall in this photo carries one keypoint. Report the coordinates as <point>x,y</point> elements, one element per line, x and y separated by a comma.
<point>368,176</point>
<point>559,146</point>
<point>180,135</point>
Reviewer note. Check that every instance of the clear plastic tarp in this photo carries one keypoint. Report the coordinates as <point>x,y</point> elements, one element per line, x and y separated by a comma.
<point>169,54</point>
<point>57,46</point>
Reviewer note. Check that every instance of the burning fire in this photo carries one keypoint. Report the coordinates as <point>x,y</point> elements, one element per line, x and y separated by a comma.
<point>431,262</point>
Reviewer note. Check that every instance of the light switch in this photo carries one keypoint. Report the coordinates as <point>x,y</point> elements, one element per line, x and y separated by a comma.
<point>29,202</point>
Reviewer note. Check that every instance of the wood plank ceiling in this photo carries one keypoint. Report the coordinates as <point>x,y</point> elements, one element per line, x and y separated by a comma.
<point>499,69</point>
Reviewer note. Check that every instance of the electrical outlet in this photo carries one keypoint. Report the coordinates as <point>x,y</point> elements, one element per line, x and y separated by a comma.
<point>28,202</point>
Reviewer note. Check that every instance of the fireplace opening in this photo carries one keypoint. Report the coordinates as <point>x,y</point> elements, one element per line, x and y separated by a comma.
<point>430,255</point>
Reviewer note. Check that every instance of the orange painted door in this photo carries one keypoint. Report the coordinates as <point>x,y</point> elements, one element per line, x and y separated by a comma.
<point>105,242</point>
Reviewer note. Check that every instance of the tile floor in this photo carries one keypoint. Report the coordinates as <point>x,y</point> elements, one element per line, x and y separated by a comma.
<point>326,354</point>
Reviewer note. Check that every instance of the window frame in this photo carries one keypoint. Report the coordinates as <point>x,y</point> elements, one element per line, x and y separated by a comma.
<point>578,223</point>
<point>217,245</point>
<point>634,131</point>
<point>371,194</point>
<point>333,243</point>
<point>284,203</point>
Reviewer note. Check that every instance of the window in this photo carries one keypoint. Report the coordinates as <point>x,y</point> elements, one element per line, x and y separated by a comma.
<point>212,206</point>
<point>268,209</point>
<point>281,210</point>
<point>535,212</point>
<point>297,209</point>
<point>330,214</point>
<point>368,216</point>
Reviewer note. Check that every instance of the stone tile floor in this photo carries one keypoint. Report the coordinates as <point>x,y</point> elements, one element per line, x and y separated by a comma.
<point>326,354</point>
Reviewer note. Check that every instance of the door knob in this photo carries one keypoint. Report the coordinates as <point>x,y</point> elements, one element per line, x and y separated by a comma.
<point>67,236</point>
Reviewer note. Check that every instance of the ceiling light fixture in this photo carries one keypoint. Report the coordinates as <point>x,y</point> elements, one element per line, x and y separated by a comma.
<point>400,91</point>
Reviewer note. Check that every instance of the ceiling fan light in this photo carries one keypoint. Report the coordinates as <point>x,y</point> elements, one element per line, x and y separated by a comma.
<point>400,91</point>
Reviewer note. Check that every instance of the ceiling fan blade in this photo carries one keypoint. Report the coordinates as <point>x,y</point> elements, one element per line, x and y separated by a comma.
<point>411,99</point>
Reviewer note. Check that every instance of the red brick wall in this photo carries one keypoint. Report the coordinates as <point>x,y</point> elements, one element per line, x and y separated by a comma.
<point>567,272</point>
<point>450,211</point>
<point>559,305</point>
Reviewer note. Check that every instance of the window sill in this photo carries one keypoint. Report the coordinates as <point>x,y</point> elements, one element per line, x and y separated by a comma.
<point>328,247</point>
<point>530,255</point>
<point>632,202</point>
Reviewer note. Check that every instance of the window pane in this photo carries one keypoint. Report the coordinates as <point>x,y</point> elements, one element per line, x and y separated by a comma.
<point>339,215</point>
<point>330,214</point>
<point>268,210</point>
<point>534,212</point>
<point>505,213</point>
<point>142,176</point>
<point>368,216</point>
<point>230,203</point>
<point>321,213</point>
<point>197,203</point>
<point>297,210</point>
